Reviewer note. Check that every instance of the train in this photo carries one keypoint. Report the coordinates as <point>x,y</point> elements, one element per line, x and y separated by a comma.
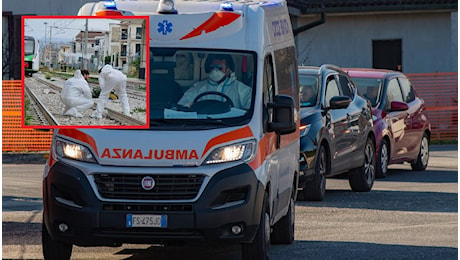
<point>31,55</point>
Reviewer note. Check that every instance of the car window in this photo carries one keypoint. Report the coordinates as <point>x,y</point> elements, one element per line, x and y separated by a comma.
<point>370,88</point>
<point>268,89</point>
<point>346,86</point>
<point>393,93</point>
<point>308,90</point>
<point>407,90</point>
<point>332,90</point>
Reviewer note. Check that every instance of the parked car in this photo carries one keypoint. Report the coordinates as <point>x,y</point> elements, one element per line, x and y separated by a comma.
<point>336,132</point>
<point>401,125</point>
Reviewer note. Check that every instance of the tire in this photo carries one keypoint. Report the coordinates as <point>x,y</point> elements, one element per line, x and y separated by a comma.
<point>423,155</point>
<point>362,178</point>
<point>316,189</point>
<point>53,249</point>
<point>383,158</point>
<point>259,248</point>
<point>283,231</point>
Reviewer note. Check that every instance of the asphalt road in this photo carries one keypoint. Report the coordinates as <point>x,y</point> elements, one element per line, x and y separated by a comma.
<point>408,215</point>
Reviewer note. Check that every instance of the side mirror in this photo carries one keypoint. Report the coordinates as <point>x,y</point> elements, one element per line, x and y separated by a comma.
<point>283,120</point>
<point>339,102</point>
<point>398,106</point>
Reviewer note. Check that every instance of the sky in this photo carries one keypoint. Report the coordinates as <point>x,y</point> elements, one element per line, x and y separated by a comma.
<point>63,29</point>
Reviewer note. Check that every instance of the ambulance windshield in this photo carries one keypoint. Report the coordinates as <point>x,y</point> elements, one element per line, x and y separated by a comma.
<point>198,85</point>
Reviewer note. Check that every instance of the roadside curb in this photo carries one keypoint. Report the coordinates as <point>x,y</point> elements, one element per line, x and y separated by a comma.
<point>24,158</point>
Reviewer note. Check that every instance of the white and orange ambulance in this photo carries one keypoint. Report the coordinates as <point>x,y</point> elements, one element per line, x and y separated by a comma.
<point>219,162</point>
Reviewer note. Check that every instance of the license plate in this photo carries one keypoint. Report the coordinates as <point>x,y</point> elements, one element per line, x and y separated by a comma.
<point>160,221</point>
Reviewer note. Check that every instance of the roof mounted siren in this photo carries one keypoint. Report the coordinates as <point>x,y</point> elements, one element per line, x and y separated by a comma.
<point>226,7</point>
<point>166,7</point>
<point>109,8</point>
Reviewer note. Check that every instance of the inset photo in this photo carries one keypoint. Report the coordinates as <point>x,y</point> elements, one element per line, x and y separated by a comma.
<point>85,72</point>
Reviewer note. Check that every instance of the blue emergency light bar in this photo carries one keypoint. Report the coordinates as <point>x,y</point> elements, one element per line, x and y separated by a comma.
<point>226,7</point>
<point>110,5</point>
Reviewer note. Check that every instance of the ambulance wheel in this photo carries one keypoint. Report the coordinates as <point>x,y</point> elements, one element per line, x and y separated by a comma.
<point>283,231</point>
<point>260,246</point>
<point>53,249</point>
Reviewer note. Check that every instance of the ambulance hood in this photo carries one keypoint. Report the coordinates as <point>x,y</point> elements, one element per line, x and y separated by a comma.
<point>154,148</point>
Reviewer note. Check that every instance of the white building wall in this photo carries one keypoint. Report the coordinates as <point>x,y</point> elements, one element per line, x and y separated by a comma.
<point>427,40</point>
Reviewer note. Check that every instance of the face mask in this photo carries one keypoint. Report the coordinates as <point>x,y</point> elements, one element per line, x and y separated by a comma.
<point>216,75</point>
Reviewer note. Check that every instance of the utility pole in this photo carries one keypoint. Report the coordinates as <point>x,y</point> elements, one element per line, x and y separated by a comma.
<point>44,49</point>
<point>51,49</point>
<point>85,62</point>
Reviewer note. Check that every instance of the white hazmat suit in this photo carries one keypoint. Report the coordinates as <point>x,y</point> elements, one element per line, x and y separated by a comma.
<point>237,91</point>
<point>110,79</point>
<point>76,95</point>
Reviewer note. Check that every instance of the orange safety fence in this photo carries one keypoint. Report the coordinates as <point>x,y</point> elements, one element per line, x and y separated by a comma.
<point>14,137</point>
<point>440,92</point>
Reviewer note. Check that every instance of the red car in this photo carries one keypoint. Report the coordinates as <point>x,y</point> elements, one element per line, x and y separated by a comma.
<point>402,129</point>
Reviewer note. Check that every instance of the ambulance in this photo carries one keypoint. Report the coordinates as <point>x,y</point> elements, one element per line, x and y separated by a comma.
<point>219,162</point>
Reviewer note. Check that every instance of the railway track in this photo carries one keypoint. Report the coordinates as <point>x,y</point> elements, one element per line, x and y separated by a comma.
<point>130,91</point>
<point>44,116</point>
<point>45,101</point>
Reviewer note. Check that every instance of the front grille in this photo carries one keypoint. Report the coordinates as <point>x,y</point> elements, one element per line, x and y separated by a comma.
<point>167,186</point>
<point>161,208</point>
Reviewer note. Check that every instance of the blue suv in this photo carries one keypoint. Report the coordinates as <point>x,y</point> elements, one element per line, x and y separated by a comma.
<point>336,132</point>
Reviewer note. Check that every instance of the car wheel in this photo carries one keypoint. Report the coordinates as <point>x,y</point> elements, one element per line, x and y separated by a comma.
<point>423,155</point>
<point>54,249</point>
<point>260,246</point>
<point>362,178</point>
<point>383,158</point>
<point>316,189</point>
<point>283,231</point>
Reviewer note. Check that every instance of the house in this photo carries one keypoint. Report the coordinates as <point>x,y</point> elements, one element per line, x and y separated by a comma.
<point>127,46</point>
<point>94,53</point>
<point>414,36</point>
<point>411,36</point>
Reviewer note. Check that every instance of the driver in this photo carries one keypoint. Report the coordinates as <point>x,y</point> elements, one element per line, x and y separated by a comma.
<point>221,79</point>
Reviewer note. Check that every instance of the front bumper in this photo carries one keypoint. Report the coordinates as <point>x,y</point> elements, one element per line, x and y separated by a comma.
<point>69,199</point>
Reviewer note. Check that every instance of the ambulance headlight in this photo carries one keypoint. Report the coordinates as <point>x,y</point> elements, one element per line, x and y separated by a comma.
<point>66,149</point>
<point>236,152</point>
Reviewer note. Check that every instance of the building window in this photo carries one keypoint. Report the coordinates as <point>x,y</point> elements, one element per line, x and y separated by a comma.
<point>139,33</point>
<point>124,34</point>
<point>138,50</point>
<point>387,54</point>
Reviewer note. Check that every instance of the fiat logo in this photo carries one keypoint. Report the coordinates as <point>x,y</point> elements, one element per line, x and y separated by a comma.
<point>148,183</point>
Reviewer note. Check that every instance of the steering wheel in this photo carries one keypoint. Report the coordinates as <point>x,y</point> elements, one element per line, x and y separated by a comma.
<point>211,106</point>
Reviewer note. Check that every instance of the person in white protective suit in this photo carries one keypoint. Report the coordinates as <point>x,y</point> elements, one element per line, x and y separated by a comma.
<point>221,79</point>
<point>76,95</point>
<point>109,79</point>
